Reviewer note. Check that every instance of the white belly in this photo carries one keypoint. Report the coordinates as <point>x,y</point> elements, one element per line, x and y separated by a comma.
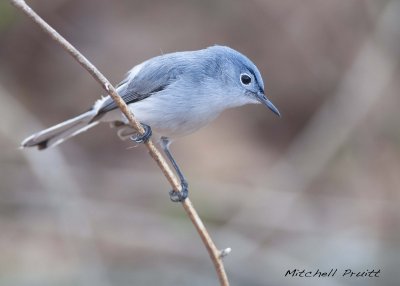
<point>166,118</point>
<point>172,119</point>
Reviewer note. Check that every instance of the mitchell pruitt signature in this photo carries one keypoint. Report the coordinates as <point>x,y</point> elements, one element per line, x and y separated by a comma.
<point>349,273</point>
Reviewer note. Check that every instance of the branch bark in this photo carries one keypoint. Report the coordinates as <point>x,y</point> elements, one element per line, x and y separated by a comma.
<point>214,253</point>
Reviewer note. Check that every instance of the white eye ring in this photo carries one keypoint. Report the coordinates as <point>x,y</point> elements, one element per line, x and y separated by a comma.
<point>245,79</point>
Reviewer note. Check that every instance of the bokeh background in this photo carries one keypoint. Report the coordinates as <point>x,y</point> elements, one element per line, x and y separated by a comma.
<point>316,189</point>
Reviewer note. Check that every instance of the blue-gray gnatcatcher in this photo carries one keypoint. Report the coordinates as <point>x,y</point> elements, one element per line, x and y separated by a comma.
<point>175,94</point>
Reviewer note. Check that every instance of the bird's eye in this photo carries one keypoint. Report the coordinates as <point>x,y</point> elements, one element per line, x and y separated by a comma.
<point>245,79</point>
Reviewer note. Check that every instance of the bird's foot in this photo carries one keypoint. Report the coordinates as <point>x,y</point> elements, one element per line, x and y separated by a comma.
<point>177,197</point>
<point>143,138</point>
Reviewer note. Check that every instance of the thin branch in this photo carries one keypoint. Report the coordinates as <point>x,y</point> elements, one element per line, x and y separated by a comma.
<point>214,253</point>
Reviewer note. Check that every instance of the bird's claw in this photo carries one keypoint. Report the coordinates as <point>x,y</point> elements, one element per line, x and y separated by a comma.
<point>178,197</point>
<point>143,138</point>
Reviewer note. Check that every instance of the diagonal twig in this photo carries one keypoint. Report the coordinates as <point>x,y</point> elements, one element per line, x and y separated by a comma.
<point>214,253</point>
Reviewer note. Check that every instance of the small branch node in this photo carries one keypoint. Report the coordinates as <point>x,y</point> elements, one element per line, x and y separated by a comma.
<point>107,87</point>
<point>224,252</point>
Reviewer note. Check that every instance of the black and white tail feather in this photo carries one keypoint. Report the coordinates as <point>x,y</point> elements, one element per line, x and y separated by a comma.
<point>59,133</point>
<point>63,131</point>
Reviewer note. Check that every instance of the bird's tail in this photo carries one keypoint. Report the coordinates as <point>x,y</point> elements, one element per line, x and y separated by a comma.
<point>59,133</point>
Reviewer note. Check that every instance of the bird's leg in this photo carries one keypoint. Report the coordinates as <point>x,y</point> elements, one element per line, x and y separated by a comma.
<point>142,138</point>
<point>183,194</point>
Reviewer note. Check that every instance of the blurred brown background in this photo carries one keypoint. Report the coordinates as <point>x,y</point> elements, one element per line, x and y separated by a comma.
<point>316,189</point>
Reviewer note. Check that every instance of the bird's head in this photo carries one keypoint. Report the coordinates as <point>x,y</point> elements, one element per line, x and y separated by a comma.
<point>244,78</point>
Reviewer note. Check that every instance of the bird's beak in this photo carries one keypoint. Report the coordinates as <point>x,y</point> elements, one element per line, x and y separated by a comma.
<point>264,100</point>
